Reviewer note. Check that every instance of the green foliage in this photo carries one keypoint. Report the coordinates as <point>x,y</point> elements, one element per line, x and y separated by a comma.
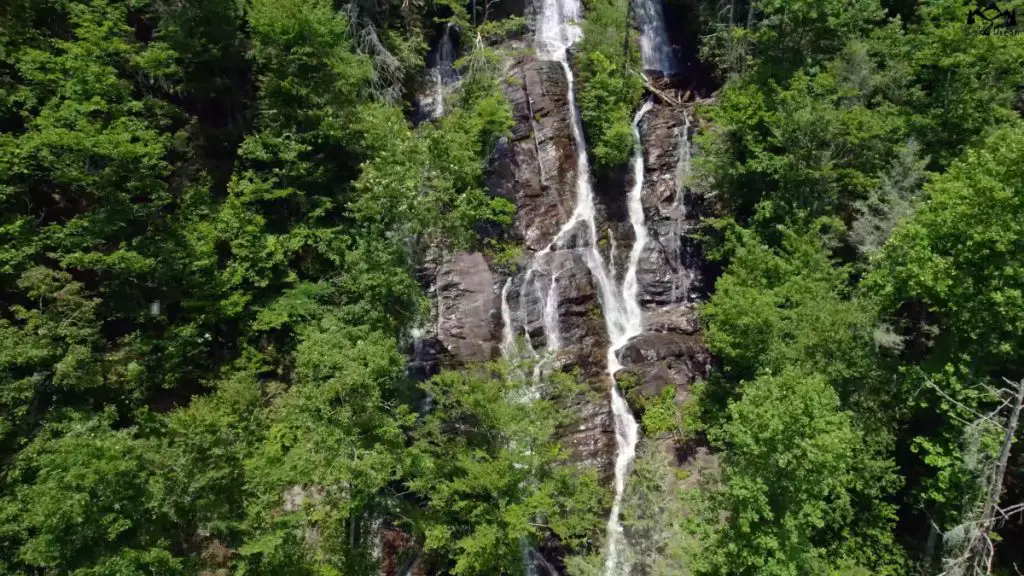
<point>487,463</point>
<point>662,517</point>
<point>797,472</point>
<point>657,510</point>
<point>82,503</point>
<point>662,415</point>
<point>958,256</point>
<point>865,168</point>
<point>796,140</point>
<point>212,215</point>
<point>793,154</point>
<point>343,399</point>
<point>787,308</point>
<point>950,277</point>
<point>891,203</point>
<point>608,84</point>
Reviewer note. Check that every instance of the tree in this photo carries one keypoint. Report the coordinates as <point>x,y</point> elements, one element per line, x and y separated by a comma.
<point>891,203</point>
<point>487,463</point>
<point>801,488</point>
<point>609,87</point>
<point>82,503</point>
<point>949,279</point>
<point>333,447</point>
<point>664,519</point>
<point>774,310</point>
<point>970,549</point>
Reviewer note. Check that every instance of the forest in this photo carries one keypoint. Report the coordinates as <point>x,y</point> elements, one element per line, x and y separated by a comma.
<point>224,226</point>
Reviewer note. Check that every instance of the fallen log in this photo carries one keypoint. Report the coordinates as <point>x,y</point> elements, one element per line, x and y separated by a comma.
<point>661,94</point>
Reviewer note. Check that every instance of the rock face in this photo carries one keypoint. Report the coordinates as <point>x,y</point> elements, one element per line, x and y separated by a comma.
<point>466,302</point>
<point>663,359</point>
<point>550,301</point>
<point>671,272</point>
<point>582,343</point>
<point>535,167</point>
<point>672,265</point>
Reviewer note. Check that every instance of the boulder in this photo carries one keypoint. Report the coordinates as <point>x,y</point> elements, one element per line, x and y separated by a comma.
<point>657,360</point>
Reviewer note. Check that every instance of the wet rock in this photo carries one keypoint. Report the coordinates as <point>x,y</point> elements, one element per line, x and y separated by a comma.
<point>657,360</point>
<point>540,565</point>
<point>422,346</point>
<point>535,168</point>
<point>582,345</point>
<point>672,268</point>
<point>466,302</point>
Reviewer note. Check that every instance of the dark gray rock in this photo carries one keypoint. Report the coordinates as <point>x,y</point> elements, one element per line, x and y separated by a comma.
<point>466,301</point>
<point>661,359</point>
<point>671,268</point>
<point>583,342</point>
<point>535,168</point>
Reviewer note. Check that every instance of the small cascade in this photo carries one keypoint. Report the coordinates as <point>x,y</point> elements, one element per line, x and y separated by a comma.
<point>423,362</point>
<point>655,46</point>
<point>630,286</point>
<point>626,429</point>
<point>443,74</point>
<point>679,214</point>
<point>446,56</point>
<point>507,336</point>
<point>556,31</point>
<point>551,327</point>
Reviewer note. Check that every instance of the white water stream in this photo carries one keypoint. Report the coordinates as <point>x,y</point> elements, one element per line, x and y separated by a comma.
<point>655,45</point>
<point>626,432</point>
<point>443,73</point>
<point>556,32</point>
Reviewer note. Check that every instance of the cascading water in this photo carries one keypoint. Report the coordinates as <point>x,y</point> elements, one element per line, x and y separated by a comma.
<point>655,46</point>
<point>443,72</point>
<point>556,32</point>
<point>626,433</point>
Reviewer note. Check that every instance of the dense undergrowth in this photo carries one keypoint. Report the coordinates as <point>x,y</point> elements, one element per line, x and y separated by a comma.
<point>864,158</point>
<point>211,216</point>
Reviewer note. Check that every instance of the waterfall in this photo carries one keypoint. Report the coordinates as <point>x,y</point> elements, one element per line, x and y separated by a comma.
<point>443,73</point>
<point>556,31</point>
<point>551,328</point>
<point>630,286</point>
<point>626,429</point>
<point>507,337</point>
<point>655,46</point>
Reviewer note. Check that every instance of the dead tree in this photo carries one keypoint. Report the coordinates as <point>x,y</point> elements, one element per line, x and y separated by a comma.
<point>971,542</point>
